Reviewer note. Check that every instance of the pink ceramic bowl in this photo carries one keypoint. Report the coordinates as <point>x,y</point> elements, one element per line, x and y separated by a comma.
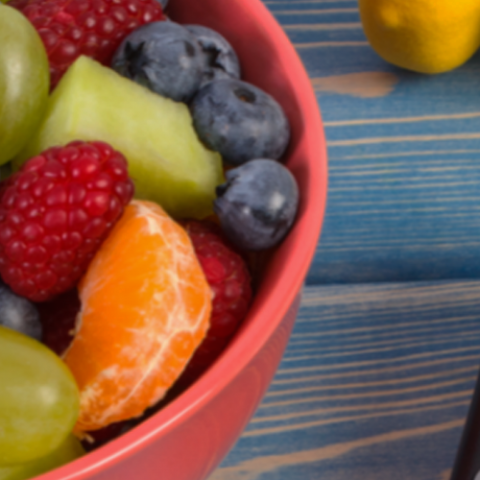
<point>189,437</point>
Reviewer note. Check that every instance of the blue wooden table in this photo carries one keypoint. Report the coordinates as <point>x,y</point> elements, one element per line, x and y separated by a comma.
<point>377,378</point>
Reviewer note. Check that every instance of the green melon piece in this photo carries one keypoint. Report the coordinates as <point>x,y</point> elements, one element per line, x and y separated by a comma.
<point>167,162</point>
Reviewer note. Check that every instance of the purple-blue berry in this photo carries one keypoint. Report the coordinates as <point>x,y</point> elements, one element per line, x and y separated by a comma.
<point>164,57</point>
<point>19,314</point>
<point>240,121</point>
<point>257,205</point>
<point>220,59</point>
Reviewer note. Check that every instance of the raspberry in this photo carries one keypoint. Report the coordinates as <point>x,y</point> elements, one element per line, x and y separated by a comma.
<point>54,214</point>
<point>58,320</point>
<point>95,28</point>
<point>229,278</point>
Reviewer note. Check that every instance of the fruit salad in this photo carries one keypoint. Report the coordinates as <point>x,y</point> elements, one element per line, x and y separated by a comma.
<point>141,178</point>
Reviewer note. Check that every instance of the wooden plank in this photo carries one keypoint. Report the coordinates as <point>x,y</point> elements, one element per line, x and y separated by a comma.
<point>404,154</point>
<point>375,383</point>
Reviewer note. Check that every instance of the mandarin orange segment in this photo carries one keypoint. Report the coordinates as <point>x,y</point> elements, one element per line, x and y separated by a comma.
<point>145,309</point>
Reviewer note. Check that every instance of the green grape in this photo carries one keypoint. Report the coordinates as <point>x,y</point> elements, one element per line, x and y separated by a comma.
<point>39,399</point>
<point>24,81</point>
<point>69,450</point>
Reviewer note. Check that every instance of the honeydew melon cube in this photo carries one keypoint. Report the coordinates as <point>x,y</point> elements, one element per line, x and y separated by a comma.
<point>167,162</point>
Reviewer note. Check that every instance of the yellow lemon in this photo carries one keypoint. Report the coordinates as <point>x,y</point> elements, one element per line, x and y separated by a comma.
<point>427,36</point>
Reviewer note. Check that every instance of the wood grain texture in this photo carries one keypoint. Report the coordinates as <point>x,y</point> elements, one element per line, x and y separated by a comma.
<point>379,372</point>
<point>375,383</point>
<point>404,154</point>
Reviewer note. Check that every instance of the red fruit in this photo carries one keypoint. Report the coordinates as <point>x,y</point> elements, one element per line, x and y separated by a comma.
<point>95,28</point>
<point>58,320</point>
<point>54,214</point>
<point>228,276</point>
<point>104,435</point>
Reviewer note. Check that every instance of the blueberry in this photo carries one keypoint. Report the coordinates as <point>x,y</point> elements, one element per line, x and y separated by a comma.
<point>19,314</point>
<point>163,3</point>
<point>257,204</point>
<point>164,57</point>
<point>221,60</point>
<point>239,121</point>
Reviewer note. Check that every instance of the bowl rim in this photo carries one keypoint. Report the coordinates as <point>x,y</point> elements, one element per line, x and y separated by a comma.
<point>245,348</point>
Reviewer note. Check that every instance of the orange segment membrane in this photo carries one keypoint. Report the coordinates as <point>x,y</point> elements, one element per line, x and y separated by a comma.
<point>145,309</point>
